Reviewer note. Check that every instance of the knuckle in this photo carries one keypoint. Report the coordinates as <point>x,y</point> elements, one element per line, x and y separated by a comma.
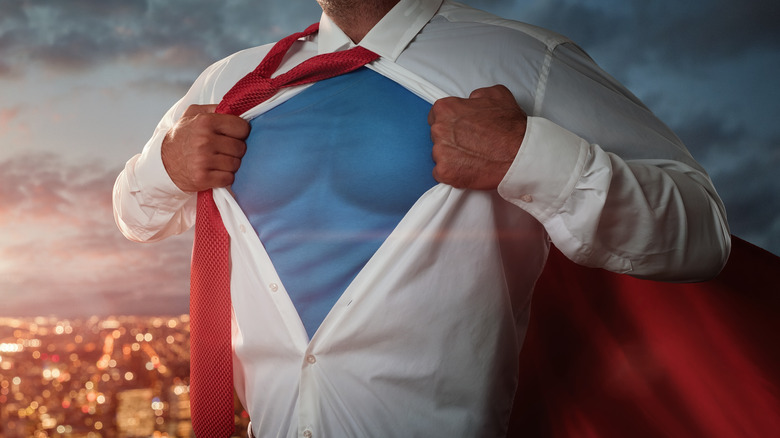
<point>444,105</point>
<point>195,109</point>
<point>200,162</point>
<point>204,120</point>
<point>235,164</point>
<point>444,173</point>
<point>437,132</point>
<point>501,88</point>
<point>191,111</point>
<point>497,91</point>
<point>226,179</point>
<point>478,93</point>
<point>436,153</point>
<point>435,109</point>
<point>200,178</point>
<point>198,149</point>
<point>437,174</point>
<point>246,128</point>
<point>240,149</point>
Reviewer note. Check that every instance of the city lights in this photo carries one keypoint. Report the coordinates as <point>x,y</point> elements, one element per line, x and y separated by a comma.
<point>11,348</point>
<point>117,377</point>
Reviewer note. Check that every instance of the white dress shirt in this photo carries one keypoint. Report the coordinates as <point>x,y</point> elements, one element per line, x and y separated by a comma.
<point>425,340</point>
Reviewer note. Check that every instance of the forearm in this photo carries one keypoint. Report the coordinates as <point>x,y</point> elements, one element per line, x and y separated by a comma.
<point>655,218</point>
<point>147,205</point>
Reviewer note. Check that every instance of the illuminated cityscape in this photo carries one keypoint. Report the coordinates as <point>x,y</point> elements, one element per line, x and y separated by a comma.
<point>98,377</point>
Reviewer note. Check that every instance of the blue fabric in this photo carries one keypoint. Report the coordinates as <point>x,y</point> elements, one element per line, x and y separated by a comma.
<point>327,176</point>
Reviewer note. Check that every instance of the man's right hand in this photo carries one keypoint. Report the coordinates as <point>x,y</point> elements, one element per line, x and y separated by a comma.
<point>204,149</point>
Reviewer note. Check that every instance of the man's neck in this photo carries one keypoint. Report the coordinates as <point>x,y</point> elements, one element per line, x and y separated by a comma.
<point>356,17</point>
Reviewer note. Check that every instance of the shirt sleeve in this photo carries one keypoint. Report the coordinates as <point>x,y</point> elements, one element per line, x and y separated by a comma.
<point>148,206</point>
<point>613,186</point>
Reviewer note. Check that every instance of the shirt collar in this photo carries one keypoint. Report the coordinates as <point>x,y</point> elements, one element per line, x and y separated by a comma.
<point>389,37</point>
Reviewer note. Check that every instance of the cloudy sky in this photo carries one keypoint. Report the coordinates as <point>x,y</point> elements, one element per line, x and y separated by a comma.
<point>83,83</point>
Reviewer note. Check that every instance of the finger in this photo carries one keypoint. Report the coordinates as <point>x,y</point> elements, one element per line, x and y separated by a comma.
<point>479,93</point>
<point>231,147</point>
<point>208,123</point>
<point>224,163</point>
<point>194,110</point>
<point>231,126</point>
<point>216,171</point>
<point>441,133</point>
<point>448,173</point>
<point>221,178</point>
<point>496,91</point>
<point>435,114</point>
<point>437,153</point>
<point>444,108</point>
<point>447,163</point>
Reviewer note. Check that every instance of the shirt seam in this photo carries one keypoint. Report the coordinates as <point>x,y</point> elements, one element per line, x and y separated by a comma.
<point>541,81</point>
<point>550,40</point>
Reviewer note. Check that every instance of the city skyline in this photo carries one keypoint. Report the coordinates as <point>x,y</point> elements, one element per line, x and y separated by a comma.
<point>94,377</point>
<point>84,82</point>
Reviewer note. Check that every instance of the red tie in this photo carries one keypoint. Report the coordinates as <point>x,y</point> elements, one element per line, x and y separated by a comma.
<point>211,357</point>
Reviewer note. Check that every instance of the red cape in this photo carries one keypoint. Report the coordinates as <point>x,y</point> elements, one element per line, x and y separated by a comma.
<point>608,355</point>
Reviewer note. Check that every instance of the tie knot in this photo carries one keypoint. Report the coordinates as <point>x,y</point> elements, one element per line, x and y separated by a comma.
<point>258,86</point>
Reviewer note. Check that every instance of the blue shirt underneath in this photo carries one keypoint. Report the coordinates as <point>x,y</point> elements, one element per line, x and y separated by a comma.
<point>327,176</point>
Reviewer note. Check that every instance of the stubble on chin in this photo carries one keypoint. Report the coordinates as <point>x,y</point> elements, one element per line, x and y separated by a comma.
<point>339,8</point>
<point>345,9</point>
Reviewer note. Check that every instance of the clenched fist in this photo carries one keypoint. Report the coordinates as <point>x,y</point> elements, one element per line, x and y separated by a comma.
<point>204,149</point>
<point>475,140</point>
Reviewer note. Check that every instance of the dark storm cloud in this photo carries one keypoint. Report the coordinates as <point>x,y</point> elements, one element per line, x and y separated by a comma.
<point>81,34</point>
<point>743,168</point>
<point>69,34</point>
<point>711,138</point>
<point>680,34</point>
<point>706,29</point>
<point>753,202</point>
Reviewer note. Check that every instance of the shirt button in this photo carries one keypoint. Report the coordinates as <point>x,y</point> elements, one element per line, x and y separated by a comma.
<point>527,198</point>
<point>307,433</point>
<point>312,360</point>
<point>274,287</point>
<point>242,228</point>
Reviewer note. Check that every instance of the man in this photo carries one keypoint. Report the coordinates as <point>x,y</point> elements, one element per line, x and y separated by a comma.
<point>376,292</point>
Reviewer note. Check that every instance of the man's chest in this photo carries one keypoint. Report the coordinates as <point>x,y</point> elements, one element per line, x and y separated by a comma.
<point>327,177</point>
<point>358,140</point>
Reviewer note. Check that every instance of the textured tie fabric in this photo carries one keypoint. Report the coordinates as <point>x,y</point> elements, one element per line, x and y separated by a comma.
<point>211,358</point>
<point>258,86</point>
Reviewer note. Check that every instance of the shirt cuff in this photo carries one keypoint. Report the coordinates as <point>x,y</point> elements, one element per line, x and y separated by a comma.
<point>546,169</point>
<point>157,188</point>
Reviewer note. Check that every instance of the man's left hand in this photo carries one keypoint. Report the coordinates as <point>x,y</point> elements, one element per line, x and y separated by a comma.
<point>475,140</point>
